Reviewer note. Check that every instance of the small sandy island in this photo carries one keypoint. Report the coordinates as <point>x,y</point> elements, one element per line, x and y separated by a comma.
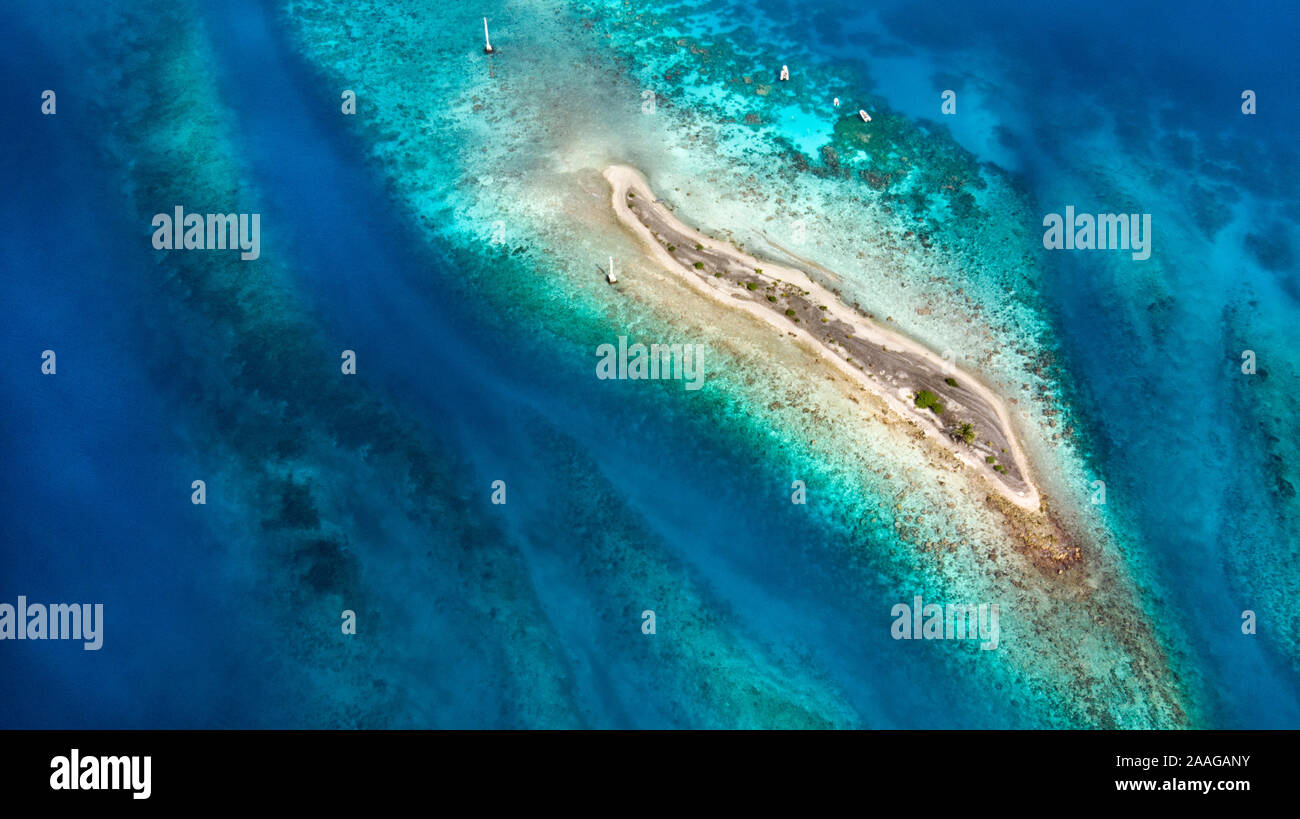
<point>885,362</point>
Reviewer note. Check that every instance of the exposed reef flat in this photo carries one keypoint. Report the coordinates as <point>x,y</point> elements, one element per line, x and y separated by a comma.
<point>892,366</point>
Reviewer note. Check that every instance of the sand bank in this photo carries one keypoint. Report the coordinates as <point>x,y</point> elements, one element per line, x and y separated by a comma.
<point>887,363</point>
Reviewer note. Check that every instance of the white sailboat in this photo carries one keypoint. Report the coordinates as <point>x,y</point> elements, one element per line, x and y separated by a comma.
<point>610,277</point>
<point>487,43</point>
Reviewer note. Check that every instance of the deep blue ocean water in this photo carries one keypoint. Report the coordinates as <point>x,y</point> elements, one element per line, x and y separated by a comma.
<point>96,461</point>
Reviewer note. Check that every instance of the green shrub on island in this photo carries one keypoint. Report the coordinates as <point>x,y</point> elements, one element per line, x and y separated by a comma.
<point>789,312</point>
<point>631,195</point>
<point>699,246</point>
<point>771,298</point>
<point>951,382</point>
<point>758,270</point>
<point>1000,468</point>
<point>936,408</point>
<point>672,248</point>
<point>700,266</point>
<point>988,459</point>
<point>966,432</point>
<point>926,399</point>
<point>751,285</point>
